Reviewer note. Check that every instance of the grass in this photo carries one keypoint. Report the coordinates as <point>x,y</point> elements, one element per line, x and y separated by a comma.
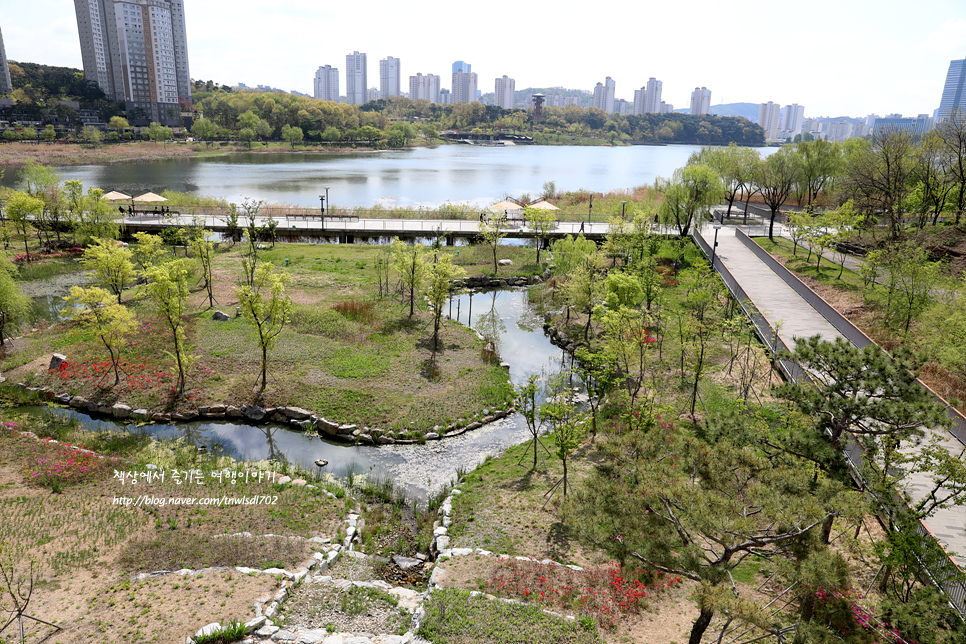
<point>827,272</point>
<point>453,617</point>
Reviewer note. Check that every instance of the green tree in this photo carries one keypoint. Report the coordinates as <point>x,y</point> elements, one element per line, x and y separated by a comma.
<point>952,131</point>
<point>266,308</point>
<point>48,134</point>
<point>205,130</point>
<point>14,305</point>
<point>570,251</point>
<point>841,223</point>
<point>599,373</point>
<point>566,424</point>
<point>110,321</point>
<point>775,178</point>
<point>118,123</point>
<point>819,162</point>
<point>292,135</point>
<point>877,174</point>
<point>583,289</point>
<point>492,234</point>
<point>541,223</point>
<point>147,252</point>
<point>168,289</point>
<point>911,283</point>
<point>688,196</point>
<point>157,132</point>
<point>409,261</point>
<point>90,135</point>
<point>110,264</point>
<point>526,400</point>
<point>204,252</point>
<point>441,274</point>
<point>22,210</point>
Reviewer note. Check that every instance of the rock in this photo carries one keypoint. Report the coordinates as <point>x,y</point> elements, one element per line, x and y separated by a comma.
<point>284,636</point>
<point>253,413</point>
<point>79,402</point>
<point>321,463</point>
<point>347,428</point>
<point>56,360</point>
<point>256,623</point>
<point>120,410</point>
<point>233,412</point>
<point>141,414</point>
<point>365,438</point>
<point>208,630</point>
<point>312,637</point>
<point>295,413</point>
<point>357,639</point>
<point>405,563</point>
<point>505,262</point>
<point>220,316</point>
<point>267,631</point>
<point>432,436</point>
<point>327,426</point>
<point>442,542</point>
<point>185,415</point>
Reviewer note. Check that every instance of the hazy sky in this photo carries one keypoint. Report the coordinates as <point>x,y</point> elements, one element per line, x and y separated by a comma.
<point>835,57</point>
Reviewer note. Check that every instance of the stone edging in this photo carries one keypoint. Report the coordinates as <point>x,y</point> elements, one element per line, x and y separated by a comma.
<point>294,416</point>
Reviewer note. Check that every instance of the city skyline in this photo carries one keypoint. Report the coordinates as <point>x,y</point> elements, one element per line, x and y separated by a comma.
<point>866,60</point>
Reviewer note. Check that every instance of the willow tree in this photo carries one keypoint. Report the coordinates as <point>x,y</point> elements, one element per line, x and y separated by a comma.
<point>14,305</point>
<point>110,321</point>
<point>266,308</point>
<point>168,289</point>
<point>688,196</point>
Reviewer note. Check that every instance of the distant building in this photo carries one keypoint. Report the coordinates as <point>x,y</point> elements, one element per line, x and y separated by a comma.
<point>572,100</point>
<point>137,52</point>
<point>838,131</point>
<point>356,81</point>
<point>445,97</point>
<point>390,81</point>
<point>700,101</point>
<point>372,94</point>
<point>895,123</point>
<point>424,87</point>
<point>652,99</point>
<point>464,87</point>
<point>505,88</point>
<point>460,66</point>
<point>604,95</point>
<point>792,120</point>
<point>622,106</point>
<point>327,83</point>
<point>6,86</point>
<point>954,91</point>
<point>666,108</point>
<point>768,118</point>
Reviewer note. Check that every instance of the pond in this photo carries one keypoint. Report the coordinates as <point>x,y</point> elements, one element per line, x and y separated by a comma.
<point>416,469</point>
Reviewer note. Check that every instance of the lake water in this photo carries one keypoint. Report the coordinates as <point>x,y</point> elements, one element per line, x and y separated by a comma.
<point>408,178</point>
<point>418,469</point>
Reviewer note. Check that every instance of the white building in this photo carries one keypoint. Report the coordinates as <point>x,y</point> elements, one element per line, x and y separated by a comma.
<point>356,80</point>
<point>424,87</point>
<point>464,87</point>
<point>390,80</point>
<point>372,94</point>
<point>792,120</point>
<point>652,100</point>
<point>5,85</point>
<point>505,88</point>
<point>666,108</point>
<point>327,83</point>
<point>838,132</point>
<point>768,118</point>
<point>604,95</point>
<point>700,101</point>
<point>137,52</point>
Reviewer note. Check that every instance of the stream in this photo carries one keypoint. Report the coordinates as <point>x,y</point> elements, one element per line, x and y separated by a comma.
<point>416,469</point>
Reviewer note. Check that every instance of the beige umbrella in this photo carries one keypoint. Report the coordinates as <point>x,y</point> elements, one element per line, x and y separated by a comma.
<point>506,205</point>
<point>116,196</point>
<point>543,205</point>
<point>149,197</point>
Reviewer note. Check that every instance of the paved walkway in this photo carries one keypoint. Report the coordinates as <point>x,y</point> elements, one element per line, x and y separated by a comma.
<point>795,317</point>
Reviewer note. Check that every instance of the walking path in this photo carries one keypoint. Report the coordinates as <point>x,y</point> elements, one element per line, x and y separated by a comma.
<point>787,311</point>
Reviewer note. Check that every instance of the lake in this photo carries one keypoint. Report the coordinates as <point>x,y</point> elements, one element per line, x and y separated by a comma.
<point>411,178</point>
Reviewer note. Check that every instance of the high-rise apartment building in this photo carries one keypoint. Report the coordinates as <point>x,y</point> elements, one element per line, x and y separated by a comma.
<point>954,91</point>
<point>792,120</point>
<point>5,85</point>
<point>700,101</point>
<point>460,66</point>
<point>604,95</point>
<point>768,118</point>
<point>424,87</point>
<point>445,97</point>
<point>464,87</point>
<point>327,83</point>
<point>137,52</point>
<point>505,89</point>
<point>356,80</point>
<point>648,98</point>
<point>390,80</point>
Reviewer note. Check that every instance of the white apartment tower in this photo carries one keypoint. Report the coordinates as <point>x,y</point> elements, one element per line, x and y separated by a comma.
<point>793,119</point>
<point>356,81</point>
<point>5,85</point>
<point>327,83</point>
<point>137,52</point>
<point>700,101</point>
<point>768,118</point>
<point>424,87</point>
<point>604,95</point>
<point>648,98</point>
<point>464,87</point>
<point>390,80</point>
<point>505,88</point>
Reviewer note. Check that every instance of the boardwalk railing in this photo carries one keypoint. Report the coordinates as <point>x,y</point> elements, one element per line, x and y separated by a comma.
<point>943,571</point>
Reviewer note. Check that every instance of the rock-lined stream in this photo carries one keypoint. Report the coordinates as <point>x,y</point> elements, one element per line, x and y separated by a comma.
<point>417,469</point>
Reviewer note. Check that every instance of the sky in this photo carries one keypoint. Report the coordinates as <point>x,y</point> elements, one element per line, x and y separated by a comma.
<point>835,57</point>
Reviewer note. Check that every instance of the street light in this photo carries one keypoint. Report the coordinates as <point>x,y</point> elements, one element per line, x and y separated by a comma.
<point>324,200</point>
<point>715,247</point>
<point>623,206</point>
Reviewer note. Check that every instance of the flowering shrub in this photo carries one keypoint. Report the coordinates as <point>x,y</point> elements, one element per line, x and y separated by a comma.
<point>53,464</point>
<point>847,615</point>
<point>602,592</point>
<point>67,252</point>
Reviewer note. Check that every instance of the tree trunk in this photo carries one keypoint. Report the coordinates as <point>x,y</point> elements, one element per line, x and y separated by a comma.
<point>701,625</point>
<point>827,529</point>
<point>264,367</point>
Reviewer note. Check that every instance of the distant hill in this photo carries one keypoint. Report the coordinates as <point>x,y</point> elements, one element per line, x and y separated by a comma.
<point>747,110</point>
<point>40,83</point>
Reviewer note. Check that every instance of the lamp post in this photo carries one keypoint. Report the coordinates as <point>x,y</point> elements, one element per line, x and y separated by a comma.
<point>623,207</point>
<point>590,208</point>
<point>715,247</point>
<point>324,200</point>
